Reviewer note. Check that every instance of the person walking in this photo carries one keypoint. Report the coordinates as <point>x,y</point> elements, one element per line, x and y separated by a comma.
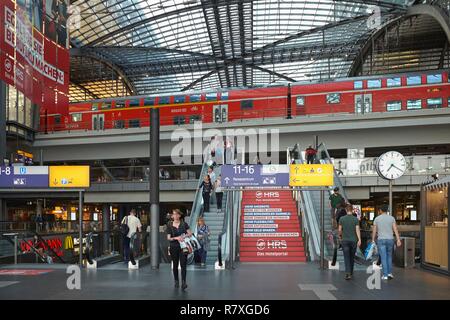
<point>206,192</point>
<point>177,229</point>
<point>350,238</point>
<point>134,224</point>
<point>335,199</point>
<point>203,237</point>
<point>219,193</point>
<point>310,155</point>
<point>384,226</point>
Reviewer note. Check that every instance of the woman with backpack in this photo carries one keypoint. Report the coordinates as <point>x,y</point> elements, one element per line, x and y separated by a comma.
<point>177,229</point>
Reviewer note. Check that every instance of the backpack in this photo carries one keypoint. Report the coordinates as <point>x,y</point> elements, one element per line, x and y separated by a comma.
<point>124,228</point>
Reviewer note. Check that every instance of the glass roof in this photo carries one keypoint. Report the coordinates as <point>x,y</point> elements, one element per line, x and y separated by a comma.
<point>173,45</point>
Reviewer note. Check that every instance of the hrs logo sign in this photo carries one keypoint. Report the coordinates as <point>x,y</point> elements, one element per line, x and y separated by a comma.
<point>261,194</point>
<point>262,244</point>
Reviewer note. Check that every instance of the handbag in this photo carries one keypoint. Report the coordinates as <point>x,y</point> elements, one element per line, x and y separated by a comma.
<point>370,250</point>
<point>124,228</point>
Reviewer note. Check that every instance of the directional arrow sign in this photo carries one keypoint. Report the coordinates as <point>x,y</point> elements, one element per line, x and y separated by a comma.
<point>311,175</point>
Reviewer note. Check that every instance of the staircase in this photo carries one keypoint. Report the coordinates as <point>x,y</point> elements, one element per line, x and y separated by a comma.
<point>270,229</point>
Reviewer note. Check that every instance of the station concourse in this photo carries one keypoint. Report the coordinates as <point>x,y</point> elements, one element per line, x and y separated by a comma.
<point>273,150</point>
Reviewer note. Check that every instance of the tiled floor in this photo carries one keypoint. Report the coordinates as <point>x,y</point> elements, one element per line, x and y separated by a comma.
<point>247,281</point>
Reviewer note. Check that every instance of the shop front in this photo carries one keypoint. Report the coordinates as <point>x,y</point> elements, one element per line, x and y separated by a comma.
<point>436,242</point>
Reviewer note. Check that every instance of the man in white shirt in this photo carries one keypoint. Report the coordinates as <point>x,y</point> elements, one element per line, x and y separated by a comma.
<point>134,224</point>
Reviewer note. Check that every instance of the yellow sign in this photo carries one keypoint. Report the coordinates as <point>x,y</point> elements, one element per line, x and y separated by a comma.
<point>311,175</point>
<point>69,177</point>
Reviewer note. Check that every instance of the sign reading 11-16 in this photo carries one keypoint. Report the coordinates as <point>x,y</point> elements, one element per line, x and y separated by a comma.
<point>255,176</point>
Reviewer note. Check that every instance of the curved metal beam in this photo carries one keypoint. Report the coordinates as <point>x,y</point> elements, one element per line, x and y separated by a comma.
<point>423,9</point>
<point>274,73</point>
<point>149,49</point>
<point>75,52</point>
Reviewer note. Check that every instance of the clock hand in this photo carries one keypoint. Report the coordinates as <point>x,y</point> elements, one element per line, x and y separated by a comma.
<point>390,167</point>
<point>397,167</point>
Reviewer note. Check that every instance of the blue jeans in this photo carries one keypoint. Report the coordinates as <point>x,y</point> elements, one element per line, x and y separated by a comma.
<point>126,248</point>
<point>202,252</point>
<point>385,249</point>
<point>349,249</point>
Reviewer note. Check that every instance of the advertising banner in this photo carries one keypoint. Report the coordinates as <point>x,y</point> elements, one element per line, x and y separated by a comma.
<point>27,54</point>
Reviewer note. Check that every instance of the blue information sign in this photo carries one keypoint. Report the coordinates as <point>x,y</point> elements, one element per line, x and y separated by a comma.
<point>256,176</point>
<point>23,177</point>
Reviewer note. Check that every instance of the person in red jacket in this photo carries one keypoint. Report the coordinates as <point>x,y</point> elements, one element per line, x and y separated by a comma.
<point>310,155</point>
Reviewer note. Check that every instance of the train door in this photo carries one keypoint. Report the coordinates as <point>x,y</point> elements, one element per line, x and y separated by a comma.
<point>367,103</point>
<point>220,113</point>
<point>363,103</point>
<point>98,122</point>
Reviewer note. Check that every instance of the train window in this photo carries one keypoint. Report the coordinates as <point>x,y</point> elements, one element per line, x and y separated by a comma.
<point>394,82</point>
<point>414,104</point>
<point>57,119</point>
<point>119,124</point>
<point>179,120</point>
<point>373,84</point>
<point>334,98</point>
<point>106,105</point>
<point>393,105</point>
<point>134,123</point>
<point>212,96</point>
<point>300,101</point>
<point>134,103</point>
<point>434,103</point>
<point>149,101</point>
<point>358,85</point>
<point>246,104</point>
<point>77,117</point>
<point>180,99</point>
<point>120,104</point>
<point>94,106</point>
<point>224,96</point>
<point>195,98</point>
<point>413,80</point>
<point>434,78</point>
<point>164,100</point>
<point>194,118</point>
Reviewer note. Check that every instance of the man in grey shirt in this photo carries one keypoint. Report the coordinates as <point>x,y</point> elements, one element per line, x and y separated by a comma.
<point>384,225</point>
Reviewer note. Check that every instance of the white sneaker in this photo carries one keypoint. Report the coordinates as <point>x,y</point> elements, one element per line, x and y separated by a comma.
<point>390,276</point>
<point>384,278</point>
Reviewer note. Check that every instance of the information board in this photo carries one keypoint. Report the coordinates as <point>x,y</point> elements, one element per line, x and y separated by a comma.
<point>256,176</point>
<point>23,177</point>
<point>69,177</point>
<point>311,175</point>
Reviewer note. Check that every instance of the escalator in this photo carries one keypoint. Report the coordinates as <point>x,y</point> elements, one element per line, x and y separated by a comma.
<point>310,204</point>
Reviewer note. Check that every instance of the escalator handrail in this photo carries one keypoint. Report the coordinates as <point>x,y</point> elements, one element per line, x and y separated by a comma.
<point>48,247</point>
<point>34,249</point>
<point>337,180</point>
<point>224,230</point>
<point>196,206</point>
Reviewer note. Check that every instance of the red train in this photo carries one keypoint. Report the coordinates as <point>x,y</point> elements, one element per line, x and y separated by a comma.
<point>385,93</point>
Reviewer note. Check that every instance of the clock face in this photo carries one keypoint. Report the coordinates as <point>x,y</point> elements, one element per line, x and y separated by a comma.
<point>391,165</point>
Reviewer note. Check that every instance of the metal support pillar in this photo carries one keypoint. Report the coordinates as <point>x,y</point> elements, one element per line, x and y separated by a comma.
<point>154,187</point>
<point>2,122</point>
<point>322,230</point>
<point>105,224</point>
<point>390,197</point>
<point>80,221</point>
<point>231,235</point>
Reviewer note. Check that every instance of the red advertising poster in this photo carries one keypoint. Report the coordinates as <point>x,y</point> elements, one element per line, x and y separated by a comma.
<point>35,55</point>
<point>270,229</point>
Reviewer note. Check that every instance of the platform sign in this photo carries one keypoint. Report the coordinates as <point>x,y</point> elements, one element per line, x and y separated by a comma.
<point>255,176</point>
<point>23,177</point>
<point>311,175</point>
<point>69,177</point>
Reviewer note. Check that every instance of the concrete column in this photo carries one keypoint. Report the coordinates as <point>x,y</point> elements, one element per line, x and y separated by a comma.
<point>154,187</point>
<point>3,210</point>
